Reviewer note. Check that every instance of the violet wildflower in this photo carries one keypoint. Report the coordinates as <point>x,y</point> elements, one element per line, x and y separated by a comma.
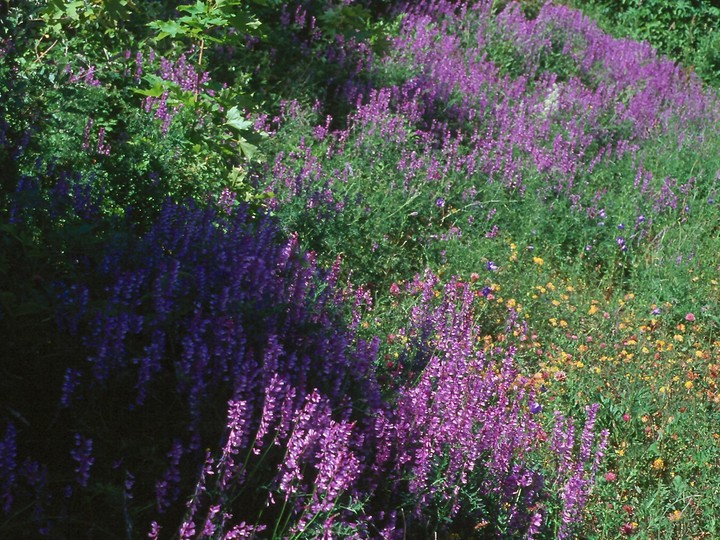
<point>244,530</point>
<point>86,134</point>
<point>154,531</point>
<point>308,423</point>
<point>275,395</point>
<point>128,485</point>
<point>138,66</point>
<point>210,526</point>
<point>394,289</point>
<point>237,440</point>
<point>82,455</point>
<point>71,383</point>
<point>8,466</point>
<point>102,147</point>
<point>187,530</point>
<point>167,489</point>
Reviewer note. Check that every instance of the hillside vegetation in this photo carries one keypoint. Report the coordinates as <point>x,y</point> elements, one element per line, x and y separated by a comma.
<point>358,269</point>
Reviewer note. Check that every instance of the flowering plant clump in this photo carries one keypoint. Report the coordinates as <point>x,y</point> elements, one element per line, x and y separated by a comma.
<point>207,308</point>
<point>468,434</point>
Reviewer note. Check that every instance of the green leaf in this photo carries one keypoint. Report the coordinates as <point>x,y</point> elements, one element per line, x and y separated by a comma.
<point>152,92</point>
<point>168,28</point>
<point>245,22</point>
<point>197,9</point>
<point>235,120</point>
<point>679,483</point>
<point>71,10</point>
<point>54,9</point>
<point>157,86</point>
<point>189,99</point>
<point>246,148</point>
<point>116,9</point>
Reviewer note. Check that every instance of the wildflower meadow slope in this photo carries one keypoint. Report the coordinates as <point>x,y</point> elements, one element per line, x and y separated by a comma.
<point>445,272</point>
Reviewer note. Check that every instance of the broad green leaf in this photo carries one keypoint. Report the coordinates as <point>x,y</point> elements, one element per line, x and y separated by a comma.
<point>247,149</point>
<point>215,21</point>
<point>55,9</point>
<point>71,10</point>
<point>197,9</point>
<point>151,92</point>
<point>189,99</point>
<point>235,120</point>
<point>157,86</point>
<point>167,28</point>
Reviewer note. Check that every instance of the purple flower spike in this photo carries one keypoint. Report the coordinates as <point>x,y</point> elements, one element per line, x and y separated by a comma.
<point>82,455</point>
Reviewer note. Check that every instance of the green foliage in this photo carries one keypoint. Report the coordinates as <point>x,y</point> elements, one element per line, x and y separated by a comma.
<point>208,22</point>
<point>207,145</point>
<point>59,15</point>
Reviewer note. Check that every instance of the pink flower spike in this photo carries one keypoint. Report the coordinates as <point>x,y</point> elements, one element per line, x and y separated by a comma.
<point>690,317</point>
